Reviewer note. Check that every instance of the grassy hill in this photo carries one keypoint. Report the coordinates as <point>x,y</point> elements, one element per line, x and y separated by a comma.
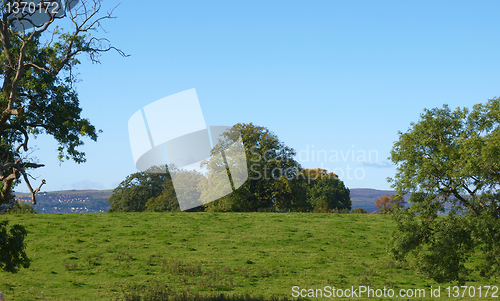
<point>122,256</point>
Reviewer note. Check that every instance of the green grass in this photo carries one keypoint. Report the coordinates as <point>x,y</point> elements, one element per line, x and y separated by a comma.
<point>107,256</point>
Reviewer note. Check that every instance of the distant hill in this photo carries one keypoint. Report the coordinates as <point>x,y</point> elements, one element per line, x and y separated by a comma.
<point>365,197</point>
<point>69,201</point>
<point>82,201</point>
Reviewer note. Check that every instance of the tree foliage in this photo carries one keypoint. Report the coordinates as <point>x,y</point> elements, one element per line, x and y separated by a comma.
<point>388,203</point>
<point>326,187</point>
<point>151,190</point>
<point>20,207</point>
<point>276,181</point>
<point>271,171</point>
<point>12,246</point>
<point>448,162</point>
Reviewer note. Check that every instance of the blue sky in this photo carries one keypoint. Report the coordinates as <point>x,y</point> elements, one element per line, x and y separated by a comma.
<point>339,78</point>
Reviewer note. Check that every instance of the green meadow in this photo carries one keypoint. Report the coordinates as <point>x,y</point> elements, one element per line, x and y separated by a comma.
<point>126,256</point>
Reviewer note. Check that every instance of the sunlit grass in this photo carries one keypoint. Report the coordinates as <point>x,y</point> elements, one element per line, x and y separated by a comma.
<point>106,256</point>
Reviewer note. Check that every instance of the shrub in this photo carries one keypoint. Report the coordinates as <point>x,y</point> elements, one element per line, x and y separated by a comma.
<point>22,208</point>
<point>388,203</point>
<point>359,210</point>
<point>12,254</point>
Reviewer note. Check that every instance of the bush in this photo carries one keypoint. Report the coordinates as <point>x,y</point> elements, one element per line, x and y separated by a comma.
<point>22,208</point>
<point>359,210</point>
<point>388,203</point>
<point>12,254</point>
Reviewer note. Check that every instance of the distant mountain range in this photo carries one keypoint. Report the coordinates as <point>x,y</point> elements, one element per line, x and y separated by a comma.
<point>365,197</point>
<point>82,201</point>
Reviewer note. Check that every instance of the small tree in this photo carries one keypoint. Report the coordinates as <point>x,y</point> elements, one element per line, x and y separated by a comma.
<point>388,203</point>
<point>22,208</point>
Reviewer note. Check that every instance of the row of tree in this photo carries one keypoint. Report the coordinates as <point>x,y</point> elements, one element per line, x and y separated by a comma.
<point>275,182</point>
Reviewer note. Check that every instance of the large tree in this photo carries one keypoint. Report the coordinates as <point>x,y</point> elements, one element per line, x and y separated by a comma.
<point>271,169</point>
<point>448,162</point>
<point>38,95</point>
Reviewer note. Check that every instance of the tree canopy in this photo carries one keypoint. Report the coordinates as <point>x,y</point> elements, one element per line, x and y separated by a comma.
<point>326,190</point>
<point>448,162</point>
<point>275,182</point>
<point>145,191</point>
<point>270,164</point>
<point>386,204</point>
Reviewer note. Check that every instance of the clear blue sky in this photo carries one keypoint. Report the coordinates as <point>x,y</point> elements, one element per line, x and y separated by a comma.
<point>332,77</point>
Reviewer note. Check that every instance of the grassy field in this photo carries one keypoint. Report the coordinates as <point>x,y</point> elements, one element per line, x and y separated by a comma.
<point>106,256</point>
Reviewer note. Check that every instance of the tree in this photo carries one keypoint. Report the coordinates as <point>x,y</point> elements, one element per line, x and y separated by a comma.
<point>150,190</point>
<point>388,203</point>
<point>38,93</point>
<point>166,201</point>
<point>325,190</point>
<point>22,208</point>
<point>449,159</point>
<point>271,167</point>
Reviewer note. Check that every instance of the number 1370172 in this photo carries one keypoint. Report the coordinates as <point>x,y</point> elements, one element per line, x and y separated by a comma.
<point>471,291</point>
<point>24,7</point>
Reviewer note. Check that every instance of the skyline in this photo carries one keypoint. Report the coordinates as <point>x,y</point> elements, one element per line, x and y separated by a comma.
<point>327,77</point>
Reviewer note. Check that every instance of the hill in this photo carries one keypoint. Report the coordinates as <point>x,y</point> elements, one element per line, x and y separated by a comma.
<point>365,197</point>
<point>88,201</point>
<point>69,201</point>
